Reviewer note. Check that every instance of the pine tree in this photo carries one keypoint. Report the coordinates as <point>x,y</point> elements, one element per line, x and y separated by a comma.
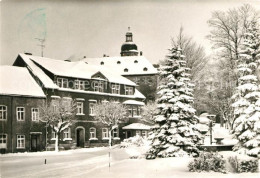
<point>247,97</point>
<point>174,133</point>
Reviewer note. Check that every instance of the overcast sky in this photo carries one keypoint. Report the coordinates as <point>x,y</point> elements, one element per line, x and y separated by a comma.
<point>74,29</point>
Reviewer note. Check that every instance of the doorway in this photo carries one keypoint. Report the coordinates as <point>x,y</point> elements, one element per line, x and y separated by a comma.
<point>35,142</point>
<point>80,137</point>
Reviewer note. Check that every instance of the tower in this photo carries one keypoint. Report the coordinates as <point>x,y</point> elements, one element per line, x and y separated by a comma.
<point>129,48</point>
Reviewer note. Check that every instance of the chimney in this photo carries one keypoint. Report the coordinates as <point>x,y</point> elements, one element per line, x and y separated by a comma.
<point>84,57</point>
<point>141,53</point>
<point>104,55</point>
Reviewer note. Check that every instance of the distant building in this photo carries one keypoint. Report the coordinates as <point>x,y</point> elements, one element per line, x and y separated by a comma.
<point>132,65</point>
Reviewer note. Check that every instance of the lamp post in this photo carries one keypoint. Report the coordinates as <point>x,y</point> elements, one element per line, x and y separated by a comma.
<point>210,131</point>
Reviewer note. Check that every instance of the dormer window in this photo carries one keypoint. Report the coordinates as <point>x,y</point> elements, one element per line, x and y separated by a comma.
<point>118,62</point>
<point>126,70</point>
<point>62,83</point>
<point>145,69</point>
<point>129,90</point>
<point>102,63</point>
<point>135,61</point>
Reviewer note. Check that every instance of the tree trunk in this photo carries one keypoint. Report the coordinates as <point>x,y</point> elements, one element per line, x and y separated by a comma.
<point>110,138</point>
<point>57,142</point>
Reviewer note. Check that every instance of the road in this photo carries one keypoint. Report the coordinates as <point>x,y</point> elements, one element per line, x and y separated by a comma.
<point>63,164</point>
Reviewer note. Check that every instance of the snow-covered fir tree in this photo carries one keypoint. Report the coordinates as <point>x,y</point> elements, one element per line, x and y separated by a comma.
<point>175,132</point>
<point>247,97</point>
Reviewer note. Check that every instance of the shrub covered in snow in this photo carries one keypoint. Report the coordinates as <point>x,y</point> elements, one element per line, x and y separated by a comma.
<point>136,140</point>
<point>208,161</point>
<point>240,166</point>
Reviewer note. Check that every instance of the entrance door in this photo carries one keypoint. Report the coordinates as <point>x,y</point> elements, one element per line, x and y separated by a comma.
<point>80,137</point>
<point>35,143</point>
<point>128,134</point>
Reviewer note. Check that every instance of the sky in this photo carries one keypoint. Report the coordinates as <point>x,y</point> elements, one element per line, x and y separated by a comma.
<point>91,28</point>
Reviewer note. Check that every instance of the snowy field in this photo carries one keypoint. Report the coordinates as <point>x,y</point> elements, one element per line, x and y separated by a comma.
<point>94,162</point>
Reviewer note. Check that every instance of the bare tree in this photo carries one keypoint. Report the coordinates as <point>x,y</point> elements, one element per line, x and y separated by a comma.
<point>149,111</point>
<point>59,114</point>
<point>226,35</point>
<point>195,54</point>
<point>110,114</point>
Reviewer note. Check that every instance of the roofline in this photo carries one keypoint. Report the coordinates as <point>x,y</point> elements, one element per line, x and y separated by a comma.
<point>140,74</point>
<point>17,95</point>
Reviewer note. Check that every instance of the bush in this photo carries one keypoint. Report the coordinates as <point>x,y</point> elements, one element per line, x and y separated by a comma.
<point>243,165</point>
<point>136,140</point>
<point>208,161</point>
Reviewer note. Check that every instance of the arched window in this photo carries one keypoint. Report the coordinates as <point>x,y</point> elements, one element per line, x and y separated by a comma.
<point>104,133</point>
<point>145,69</point>
<point>126,70</point>
<point>92,132</point>
<point>102,63</point>
<point>118,62</point>
<point>135,61</point>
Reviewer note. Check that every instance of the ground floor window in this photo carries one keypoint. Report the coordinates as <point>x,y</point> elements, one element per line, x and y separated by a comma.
<point>20,141</point>
<point>3,140</point>
<point>66,133</point>
<point>105,133</point>
<point>92,132</point>
<point>138,132</point>
<point>53,134</point>
<point>144,133</point>
<point>115,133</point>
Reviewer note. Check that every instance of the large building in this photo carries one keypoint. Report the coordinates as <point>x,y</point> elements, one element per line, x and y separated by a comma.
<point>33,80</point>
<point>132,65</point>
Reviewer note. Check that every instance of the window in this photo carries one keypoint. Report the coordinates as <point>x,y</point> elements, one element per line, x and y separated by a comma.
<point>35,114</point>
<point>145,69</point>
<point>66,133</point>
<point>80,108</point>
<point>79,84</point>
<point>92,132</point>
<point>105,133</point>
<point>118,62</point>
<point>115,133</point>
<point>3,140</point>
<point>144,133</point>
<point>20,113</point>
<point>138,132</point>
<point>20,141</point>
<point>125,70</point>
<point>128,90</point>
<point>130,111</point>
<point>115,88</point>
<point>3,112</point>
<point>62,82</point>
<point>98,86</point>
<point>53,134</point>
<point>102,63</point>
<point>91,108</point>
<point>135,61</point>
<point>134,111</point>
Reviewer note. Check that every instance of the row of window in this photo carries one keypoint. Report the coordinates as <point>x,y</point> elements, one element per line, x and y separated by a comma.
<point>20,141</point>
<point>97,86</point>
<point>92,133</point>
<point>20,113</point>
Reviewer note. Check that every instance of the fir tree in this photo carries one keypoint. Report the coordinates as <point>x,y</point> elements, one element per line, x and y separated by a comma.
<point>174,133</point>
<point>247,97</point>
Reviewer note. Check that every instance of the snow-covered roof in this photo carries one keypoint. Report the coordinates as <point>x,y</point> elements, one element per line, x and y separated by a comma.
<point>18,81</point>
<point>127,65</point>
<point>78,69</point>
<point>137,126</point>
<point>46,81</point>
<point>134,102</point>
